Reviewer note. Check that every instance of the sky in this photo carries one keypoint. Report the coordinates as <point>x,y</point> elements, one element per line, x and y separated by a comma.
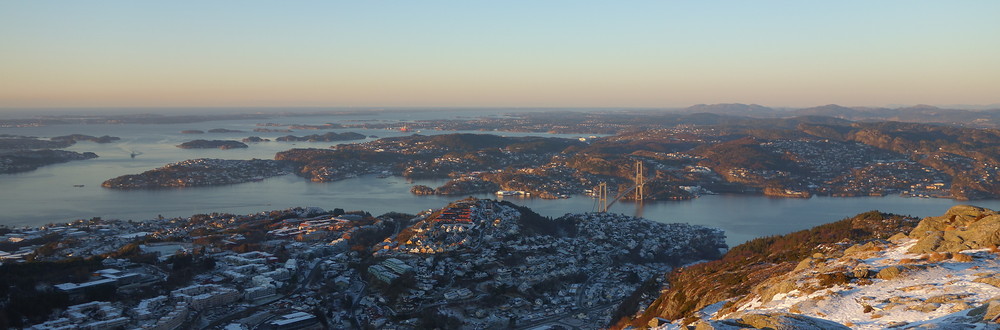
<point>497,53</point>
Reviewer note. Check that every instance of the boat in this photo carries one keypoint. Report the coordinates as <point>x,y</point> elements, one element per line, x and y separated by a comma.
<point>78,185</point>
<point>511,193</point>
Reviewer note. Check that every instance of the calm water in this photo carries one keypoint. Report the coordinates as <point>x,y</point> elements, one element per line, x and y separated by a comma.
<point>47,195</point>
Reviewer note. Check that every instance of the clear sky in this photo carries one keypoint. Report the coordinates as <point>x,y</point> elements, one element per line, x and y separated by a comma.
<point>497,53</point>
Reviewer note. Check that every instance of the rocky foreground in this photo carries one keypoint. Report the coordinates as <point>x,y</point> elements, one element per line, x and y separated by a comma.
<point>942,274</point>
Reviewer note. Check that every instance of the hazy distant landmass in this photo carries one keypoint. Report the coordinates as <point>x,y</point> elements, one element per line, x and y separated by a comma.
<point>224,130</point>
<point>27,160</point>
<point>80,117</point>
<point>25,143</point>
<point>973,116</point>
<point>25,153</point>
<point>979,117</point>
<point>327,137</point>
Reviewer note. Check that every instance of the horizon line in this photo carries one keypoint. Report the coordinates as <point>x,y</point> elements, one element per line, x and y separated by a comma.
<point>990,106</point>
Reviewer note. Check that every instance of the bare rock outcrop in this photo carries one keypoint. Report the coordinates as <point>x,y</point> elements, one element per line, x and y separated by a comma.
<point>775,321</point>
<point>963,227</point>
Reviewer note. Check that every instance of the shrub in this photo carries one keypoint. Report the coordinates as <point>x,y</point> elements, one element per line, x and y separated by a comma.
<point>831,279</point>
<point>962,257</point>
<point>938,256</point>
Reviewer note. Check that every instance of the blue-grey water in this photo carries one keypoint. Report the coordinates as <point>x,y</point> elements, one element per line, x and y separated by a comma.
<point>48,195</point>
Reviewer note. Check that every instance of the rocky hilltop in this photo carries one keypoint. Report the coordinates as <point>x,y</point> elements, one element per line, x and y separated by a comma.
<point>942,273</point>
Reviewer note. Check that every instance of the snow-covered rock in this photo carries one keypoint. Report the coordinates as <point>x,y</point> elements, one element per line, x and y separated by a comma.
<point>880,284</point>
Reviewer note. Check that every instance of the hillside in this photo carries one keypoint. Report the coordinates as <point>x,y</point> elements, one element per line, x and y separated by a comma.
<point>503,265</point>
<point>943,273</point>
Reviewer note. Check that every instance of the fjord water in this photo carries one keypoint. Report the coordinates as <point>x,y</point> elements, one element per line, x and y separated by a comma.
<point>48,195</point>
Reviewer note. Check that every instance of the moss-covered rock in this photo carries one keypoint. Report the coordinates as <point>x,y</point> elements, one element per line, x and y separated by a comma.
<point>860,248</point>
<point>890,272</point>
<point>992,279</point>
<point>783,321</point>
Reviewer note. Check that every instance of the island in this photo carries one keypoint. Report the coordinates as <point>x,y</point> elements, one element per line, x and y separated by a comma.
<point>26,160</point>
<point>422,190</point>
<point>27,143</point>
<point>27,153</point>
<point>328,137</point>
<point>462,186</point>
<point>314,127</point>
<point>224,130</point>
<point>201,172</point>
<point>255,139</point>
<point>272,130</point>
<point>209,144</point>
<point>82,137</point>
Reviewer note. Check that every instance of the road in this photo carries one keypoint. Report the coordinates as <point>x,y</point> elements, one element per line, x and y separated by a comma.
<point>354,303</point>
<point>253,309</point>
<point>310,278</point>
<point>583,288</point>
<point>537,322</point>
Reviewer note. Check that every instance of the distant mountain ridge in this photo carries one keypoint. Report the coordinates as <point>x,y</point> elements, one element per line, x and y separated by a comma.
<point>922,113</point>
<point>736,109</point>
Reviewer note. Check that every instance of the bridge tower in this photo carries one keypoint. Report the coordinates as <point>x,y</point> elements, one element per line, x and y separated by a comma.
<point>640,181</point>
<point>602,196</point>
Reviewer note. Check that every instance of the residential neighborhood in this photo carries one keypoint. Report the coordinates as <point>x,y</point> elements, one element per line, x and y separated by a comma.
<point>474,263</point>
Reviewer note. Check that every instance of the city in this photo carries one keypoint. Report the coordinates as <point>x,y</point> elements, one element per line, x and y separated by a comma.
<point>474,263</point>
